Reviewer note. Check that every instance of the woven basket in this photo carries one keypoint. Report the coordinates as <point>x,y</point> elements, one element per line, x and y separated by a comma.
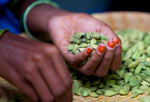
<point>124,20</point>
<point>118,21</point>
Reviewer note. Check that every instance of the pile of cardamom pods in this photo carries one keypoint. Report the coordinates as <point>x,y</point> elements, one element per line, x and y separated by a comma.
<point>134,74</point>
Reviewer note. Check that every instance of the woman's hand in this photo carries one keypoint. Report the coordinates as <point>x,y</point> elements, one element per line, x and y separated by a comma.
<point>38,69</point>
<point>61,29</point>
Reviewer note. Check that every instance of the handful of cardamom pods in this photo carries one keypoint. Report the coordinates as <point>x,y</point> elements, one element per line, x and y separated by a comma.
<point>80,41</point>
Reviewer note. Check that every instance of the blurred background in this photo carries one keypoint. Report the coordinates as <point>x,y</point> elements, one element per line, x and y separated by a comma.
<point>93,6</point>
<point>8,9</point>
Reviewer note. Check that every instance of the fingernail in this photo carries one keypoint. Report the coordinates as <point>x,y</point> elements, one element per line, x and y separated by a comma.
<point>117,40</point>
<point>101,48</point>
<point>89,51</point>
<point>111,44</point>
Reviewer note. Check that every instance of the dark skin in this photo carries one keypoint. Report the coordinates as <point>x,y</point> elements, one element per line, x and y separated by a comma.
<point>68,23</point>
<point>37,68</point>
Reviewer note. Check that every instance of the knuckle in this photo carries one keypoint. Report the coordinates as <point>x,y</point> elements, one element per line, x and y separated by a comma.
<point>107,57</point>
<point>52,49</point>
<point>73,62</point>
<point>87,72</point>
<point>95,60</point>
<point>60,91</point>
<point>37,56</point>
<point>28,72</point>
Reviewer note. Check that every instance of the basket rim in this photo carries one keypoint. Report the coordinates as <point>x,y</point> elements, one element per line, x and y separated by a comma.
<point>120,12</point>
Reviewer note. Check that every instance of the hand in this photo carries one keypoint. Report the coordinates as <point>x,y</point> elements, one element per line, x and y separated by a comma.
<point>61,29</point>
<point>38,69</point>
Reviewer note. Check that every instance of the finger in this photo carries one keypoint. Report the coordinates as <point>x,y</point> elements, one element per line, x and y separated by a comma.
<point>63,73</point>
<point>78,58</point>
<point>116,63</point>
<point>25,87</point>
<point>106,30</point>
<point>94,61</point>
<point>107,59</point>
<point>69,95</point>
<point>52,79</point>
<point>60,67</point>
<point>33,76</point>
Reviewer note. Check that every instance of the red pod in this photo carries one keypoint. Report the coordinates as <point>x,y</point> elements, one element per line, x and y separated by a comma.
<point>111,43</point>
<point>117,40</point>
<point>89,51</point>
<point>101,48</point>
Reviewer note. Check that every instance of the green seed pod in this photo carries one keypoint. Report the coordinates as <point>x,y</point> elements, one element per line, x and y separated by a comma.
<point>147,72</point>
<point>101,85</point>
<point>93,89</point>
<point>109,93</point>
<point>140,45</point>
<point>76,51</point>
<point>127,77</point>
<point>88,36</point>
<point>136,92</point>
<point>147,64</point>
<point>124,90</point>
<point>93,41</point>
<point>99,92</point>
<point>94,46</point>
<point>75,40</point>
<point>136,55</point>
<point>144,88</point>
<point>134,81</point>
<point>81,49</point>
<point>85,91</point>
<point>84,40</point>
<point>127,55</point>
<point>78,35</point>
<point>116,88</point>
<point>125,47</point>
<point>110,82</point>
<point>95,35</point>
<point>133,64</point>
<point>93,94</point>
<point>137,70</point>
<point>142,58</point>
<point>148,50</point>
<point>144,83</point>
<point>128,61</point>
<point>83,45</point>
<point>77,83</point>
<point>76,91</point>
<point>103,37</point>
<point>147,79</point>
<point>70,47</point>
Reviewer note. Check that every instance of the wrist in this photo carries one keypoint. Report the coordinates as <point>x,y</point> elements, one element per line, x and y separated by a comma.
<point>38,17</point>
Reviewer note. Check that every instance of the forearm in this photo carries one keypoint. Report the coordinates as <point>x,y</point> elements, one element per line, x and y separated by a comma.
<point>38,17</point>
